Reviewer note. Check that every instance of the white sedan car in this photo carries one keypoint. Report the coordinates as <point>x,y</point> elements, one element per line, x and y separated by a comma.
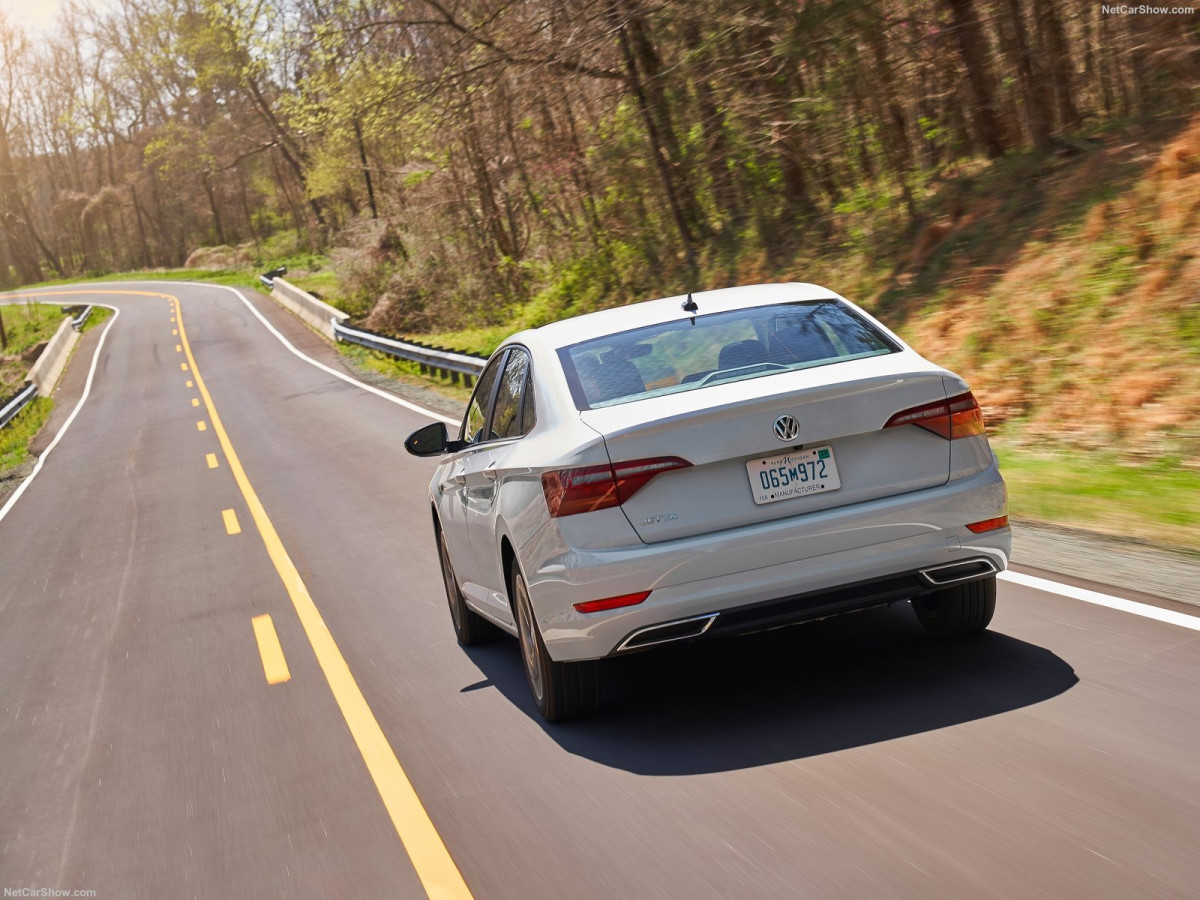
<point>723,463</point>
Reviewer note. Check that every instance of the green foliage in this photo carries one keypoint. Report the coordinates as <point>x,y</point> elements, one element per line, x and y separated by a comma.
<point>26,325</point>
<point>16,437</point>
<point>1158,501</point>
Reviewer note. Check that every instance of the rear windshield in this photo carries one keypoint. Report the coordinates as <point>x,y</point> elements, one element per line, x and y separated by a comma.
<point>687,354</point>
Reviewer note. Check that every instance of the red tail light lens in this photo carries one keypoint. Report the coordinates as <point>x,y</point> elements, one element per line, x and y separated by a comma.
<point>572,491</point>
<point>590,606</point>
<point>958,417</point>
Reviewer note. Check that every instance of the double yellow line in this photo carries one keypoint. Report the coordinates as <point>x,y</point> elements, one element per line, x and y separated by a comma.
<point>434,867</point>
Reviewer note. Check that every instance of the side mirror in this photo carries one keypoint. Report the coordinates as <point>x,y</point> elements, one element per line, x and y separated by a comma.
<point>431,440</point>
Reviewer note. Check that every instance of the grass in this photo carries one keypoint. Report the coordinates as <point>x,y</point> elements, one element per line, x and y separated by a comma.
<point>16,436</point>
<point>1102,491</point>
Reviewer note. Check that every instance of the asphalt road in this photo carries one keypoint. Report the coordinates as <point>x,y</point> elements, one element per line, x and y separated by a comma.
<point>143,752</point>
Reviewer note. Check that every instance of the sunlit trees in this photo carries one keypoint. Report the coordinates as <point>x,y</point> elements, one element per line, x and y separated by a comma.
<point>463,156</point>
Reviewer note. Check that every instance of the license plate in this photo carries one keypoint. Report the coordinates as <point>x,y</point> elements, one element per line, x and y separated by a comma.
<point>795,474</point>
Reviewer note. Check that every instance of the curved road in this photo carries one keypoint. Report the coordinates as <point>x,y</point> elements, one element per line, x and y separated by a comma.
<point>143,752</point>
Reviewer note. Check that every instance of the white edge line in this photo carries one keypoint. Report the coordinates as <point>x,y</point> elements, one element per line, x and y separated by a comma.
<point>1145,610</point>
<point>308,359</point>
<point>87,389</point>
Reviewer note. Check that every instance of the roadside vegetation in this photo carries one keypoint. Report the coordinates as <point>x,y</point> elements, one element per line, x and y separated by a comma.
<point>1014,185</point>
<point>16,437</point>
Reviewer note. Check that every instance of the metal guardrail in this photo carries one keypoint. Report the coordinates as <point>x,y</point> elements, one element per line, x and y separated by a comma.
<point>18,403</point>
<point>429,358</point>
<point>268,278</point>
<point>81,314</point>
<point>457,366</point>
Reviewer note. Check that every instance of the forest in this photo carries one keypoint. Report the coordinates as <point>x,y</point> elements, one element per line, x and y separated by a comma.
<point>462,159</point>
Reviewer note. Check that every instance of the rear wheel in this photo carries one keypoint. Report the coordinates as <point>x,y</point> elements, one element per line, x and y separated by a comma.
<point>561,690</point>
<point>469,627</point>
<point>958,610</point>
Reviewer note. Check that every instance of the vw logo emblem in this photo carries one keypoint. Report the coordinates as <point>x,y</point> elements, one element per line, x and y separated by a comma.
<point>786,428</point>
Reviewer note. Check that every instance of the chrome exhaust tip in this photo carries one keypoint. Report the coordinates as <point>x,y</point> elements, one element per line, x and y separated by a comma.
<point>679,630</point>
<point>952,573</point>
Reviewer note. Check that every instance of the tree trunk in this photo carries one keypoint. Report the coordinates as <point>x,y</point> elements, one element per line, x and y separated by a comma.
<point>366,169</point>
<point>1059,64</point>
<point>972,46</point>
<point>212,204</point>
<point>712,124</point>
<point>659,152</point>
<point>1037,113</point>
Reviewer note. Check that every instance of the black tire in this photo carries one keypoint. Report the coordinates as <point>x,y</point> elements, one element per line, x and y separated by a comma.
<point>561,690</point>
<point>958,610</point>
<point>469,627</point>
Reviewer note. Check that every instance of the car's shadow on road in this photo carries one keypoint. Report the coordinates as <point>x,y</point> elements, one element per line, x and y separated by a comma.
<point>734,703</point>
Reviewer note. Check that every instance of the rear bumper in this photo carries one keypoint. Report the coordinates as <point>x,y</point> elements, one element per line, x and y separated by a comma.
<point>764,576</point>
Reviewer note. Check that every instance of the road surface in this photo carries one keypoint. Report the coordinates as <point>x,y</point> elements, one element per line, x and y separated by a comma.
<point>212,477</point>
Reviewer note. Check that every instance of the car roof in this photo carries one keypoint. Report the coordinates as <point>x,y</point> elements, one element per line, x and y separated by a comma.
<point>570,331</point>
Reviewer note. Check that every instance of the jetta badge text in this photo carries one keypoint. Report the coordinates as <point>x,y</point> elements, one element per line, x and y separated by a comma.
<point>786,428</point>
<point>661,517</point>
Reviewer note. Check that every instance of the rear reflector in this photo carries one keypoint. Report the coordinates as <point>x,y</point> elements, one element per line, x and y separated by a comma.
<point>571,491</point>
<point>591,606</point>
<point>958,417</point>
<point>988,524</point>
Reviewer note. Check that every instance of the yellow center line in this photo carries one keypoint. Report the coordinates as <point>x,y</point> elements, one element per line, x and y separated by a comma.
<point>274,665</point>
<point>178,349</point>
<point>211,459</point>
<point>201,426</point>
<point>432,861</point>
<point>183,367</point>
<point>195,401</point>
<point>231,522</point>
<point>189,384</point>
<point>174,332</point>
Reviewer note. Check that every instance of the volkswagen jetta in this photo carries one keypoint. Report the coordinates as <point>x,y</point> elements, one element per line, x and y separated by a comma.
<point>728,462</point>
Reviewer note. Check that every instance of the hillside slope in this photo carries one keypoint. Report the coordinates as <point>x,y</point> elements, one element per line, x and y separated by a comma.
<point>1078,318</point>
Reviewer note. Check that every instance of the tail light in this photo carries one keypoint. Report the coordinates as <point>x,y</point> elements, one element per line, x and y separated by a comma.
<point>958,417</point>
<point>571,491</point>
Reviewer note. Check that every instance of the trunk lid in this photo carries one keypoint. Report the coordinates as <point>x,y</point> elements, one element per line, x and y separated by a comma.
<point>721,428</point>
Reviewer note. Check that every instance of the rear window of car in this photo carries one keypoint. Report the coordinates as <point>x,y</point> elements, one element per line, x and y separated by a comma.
<point>692,353</point>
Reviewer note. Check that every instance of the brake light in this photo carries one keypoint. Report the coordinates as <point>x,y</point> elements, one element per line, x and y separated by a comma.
<point>572,491</point>
<point>590,606</point>
<point>958,417</point>
<point>988,524</point>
